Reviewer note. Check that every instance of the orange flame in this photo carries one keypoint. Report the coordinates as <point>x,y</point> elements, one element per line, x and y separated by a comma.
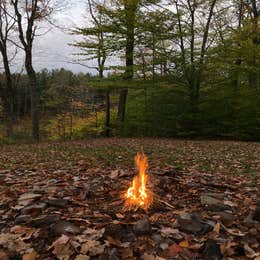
<point>138,195</point>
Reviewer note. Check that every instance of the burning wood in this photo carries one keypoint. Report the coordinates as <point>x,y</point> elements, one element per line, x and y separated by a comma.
<point>139,195</point>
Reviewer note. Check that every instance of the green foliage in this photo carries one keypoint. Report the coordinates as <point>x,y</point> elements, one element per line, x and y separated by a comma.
<point>164,111</point>
<point>68,126</point>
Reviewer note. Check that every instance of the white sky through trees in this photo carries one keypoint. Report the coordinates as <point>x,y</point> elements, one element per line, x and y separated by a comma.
<point>52,50</point>
<point>51,47</point>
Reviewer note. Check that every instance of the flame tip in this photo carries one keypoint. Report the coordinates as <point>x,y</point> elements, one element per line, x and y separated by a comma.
<point>138,195</point>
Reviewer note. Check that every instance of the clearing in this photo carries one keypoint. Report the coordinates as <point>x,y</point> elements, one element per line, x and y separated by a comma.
<point>64,200</point>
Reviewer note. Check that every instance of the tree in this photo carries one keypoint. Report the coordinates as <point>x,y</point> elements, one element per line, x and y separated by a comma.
<point>27,15</point>
<point>96,46</point>
<point>156,29</point>
<point>130,9</point>
<point>193,47</point>
<point>237,47</point>
<point>7,23</point>
<point>255,10</point>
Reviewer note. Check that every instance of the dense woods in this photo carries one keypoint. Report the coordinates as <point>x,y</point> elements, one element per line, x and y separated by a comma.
<point>129,129</point>
<point>183,68</point>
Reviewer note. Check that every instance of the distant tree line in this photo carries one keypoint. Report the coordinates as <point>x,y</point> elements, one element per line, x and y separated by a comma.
<point>191,65</point>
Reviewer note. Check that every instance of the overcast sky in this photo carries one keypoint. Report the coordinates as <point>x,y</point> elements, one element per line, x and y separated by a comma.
<point>52,50</point>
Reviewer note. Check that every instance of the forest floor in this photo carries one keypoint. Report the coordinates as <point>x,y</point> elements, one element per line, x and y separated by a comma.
<point>64,200</point>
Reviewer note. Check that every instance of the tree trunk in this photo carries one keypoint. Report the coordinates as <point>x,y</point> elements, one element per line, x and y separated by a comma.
<point>130,13</point>
<point>194,94</point>
<point>34,96</point>
<point>236,80</point>
<point>8,96</point>
<point>122,104</point>
<point>253,75</point>
<point>8,117</point>
<point>107,125</point>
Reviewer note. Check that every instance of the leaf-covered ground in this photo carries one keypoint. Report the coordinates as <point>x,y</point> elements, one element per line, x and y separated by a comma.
<point>64,200</point>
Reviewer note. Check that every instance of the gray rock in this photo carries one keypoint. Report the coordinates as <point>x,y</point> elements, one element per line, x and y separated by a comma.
<point>142,226</point>
<point>34,209</point>
<point>157,238</point>
<point>112,253</point>
<point>115,230</point>
<point>128,236</point>
<point>219,207</point>
<point>62,203</point>
<point>37,188</point>
<point>44,220</point>
<point>257,214</point>
<point>22,219</point>
<point>207,200</point>
<point>192,223</point>
<point>219,196</point>
<point>226,218</point>
<point>211,250</point>
<point>212,203</point>
<point>64,227</point>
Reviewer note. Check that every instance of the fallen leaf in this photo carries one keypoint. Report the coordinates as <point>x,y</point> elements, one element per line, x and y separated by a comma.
<point>233,232</point>
<point>195,246</point>
<point>113,241</point>
<point>230,203</point>
<point>13,243</point>
<point>119,215</point>
<point>114,174</point>
<point>184,243</point>
<point>228,248</point>
<point>92,247</point>
<point>61,248</point>
<point>250,252</point>
<point>127,254</point>
<point>63,251</point>
<point>166,231</point>
<point>174,250</point>
<point>60,241</point>
<point>26,232</point>
<point>94,234</point>
<point>82,257</point>
<point>151,257</point>
<point>217,228</point>
<point>3,255</point>
<point>30,256</point>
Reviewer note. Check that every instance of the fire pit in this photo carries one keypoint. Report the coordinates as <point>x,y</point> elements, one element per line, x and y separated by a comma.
<point>139,194</point>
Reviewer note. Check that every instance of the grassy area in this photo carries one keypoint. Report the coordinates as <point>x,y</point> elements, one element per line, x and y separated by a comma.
<point>192,156</point>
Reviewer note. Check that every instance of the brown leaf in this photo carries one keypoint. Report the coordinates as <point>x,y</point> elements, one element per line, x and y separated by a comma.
<point>195,246</point>
<point>13,243</point>
<point>174,250</point>
<point>82,257</point>
<point>250,252</point>
<point>60,241</point>
<point>167,231</point>
<point>119,215</point>
<point>92,248</point>
<point>30,256</point>
<point>151,257</point>
<point>113,241</point>
<point>26,232</point>
<point>114,174</point>
<point>3,255</point>
<point>216,228</point>
<point>63,251</point>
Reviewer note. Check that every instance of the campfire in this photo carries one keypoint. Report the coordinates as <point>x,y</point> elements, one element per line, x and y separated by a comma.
<point>139,195</point>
